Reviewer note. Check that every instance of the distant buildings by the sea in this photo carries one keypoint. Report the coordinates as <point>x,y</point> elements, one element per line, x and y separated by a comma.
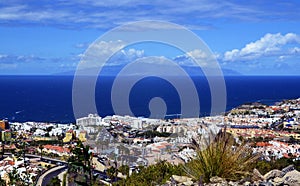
<point>271,131</point>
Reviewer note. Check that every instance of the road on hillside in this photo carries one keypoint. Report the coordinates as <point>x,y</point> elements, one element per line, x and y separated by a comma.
<point>45,178</point>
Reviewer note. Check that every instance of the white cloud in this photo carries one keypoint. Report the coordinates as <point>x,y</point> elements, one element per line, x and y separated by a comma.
<point>133,53</point>
<point>268,45</point>
<point>102,49</point>
<point>295,50</point>
<point>108,53</point>
<point>197,54</point>
<point>2,56</point>
<point>282,58</point>
<point>11,59</point>
<point>201,57</point>
<point>107,14</point>
<point>82,45</point>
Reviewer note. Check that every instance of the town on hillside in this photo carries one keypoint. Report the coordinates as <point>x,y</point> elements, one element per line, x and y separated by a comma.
<point>42,153</point>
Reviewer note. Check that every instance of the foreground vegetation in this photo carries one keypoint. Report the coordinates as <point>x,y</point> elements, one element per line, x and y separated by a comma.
<point>221,157</point>
<point>216,156</point>
<point>266,166</point>
<point>152,175</point>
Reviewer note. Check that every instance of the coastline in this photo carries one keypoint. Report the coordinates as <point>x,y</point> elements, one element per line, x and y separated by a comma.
<point>49,98</point>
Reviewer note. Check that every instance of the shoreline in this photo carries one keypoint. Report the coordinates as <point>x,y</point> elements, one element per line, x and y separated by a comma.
<point>260,101</point>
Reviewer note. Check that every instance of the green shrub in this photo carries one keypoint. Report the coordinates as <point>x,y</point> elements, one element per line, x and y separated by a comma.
<point>156,174</point>
<point>222,157</point>
<point>265,166</point>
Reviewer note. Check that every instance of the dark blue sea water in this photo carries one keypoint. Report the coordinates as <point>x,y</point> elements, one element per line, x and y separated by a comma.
<point>49,98</point>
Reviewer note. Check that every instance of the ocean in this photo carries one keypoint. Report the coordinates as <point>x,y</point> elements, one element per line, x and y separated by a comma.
<point>49,98</point>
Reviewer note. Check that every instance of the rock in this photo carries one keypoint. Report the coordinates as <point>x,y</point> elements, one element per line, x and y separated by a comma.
<point>247,183</point>
<point>288,169</point>
<point>277,181</point>
<point>188,183</point>
<point>181,179</point>
<point>222,184</point>
<point>273,174</point>
<point>256,183</point>
<point>257,176</point>
<point>231,183</point>
<point>217,179</point>
<point>120,175</point>
<point>216,184</point>
<point>292,178</point>
<point>245,179</point>
<point>265,184</point>
<point>167,184</point>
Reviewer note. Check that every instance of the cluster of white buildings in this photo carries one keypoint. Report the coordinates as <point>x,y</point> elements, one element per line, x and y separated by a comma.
<point>93,120</point>
<point>278,149</point>
<point>16,167</point>
<point>263,116</point>
<point>41,128</point>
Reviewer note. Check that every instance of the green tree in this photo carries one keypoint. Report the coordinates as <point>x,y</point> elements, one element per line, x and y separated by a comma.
<point>124,169</point>
<point>80,168</point>
<point>263,166</point>
<point>41,147</point>
<point>15,179</point>
<point>111,172</point>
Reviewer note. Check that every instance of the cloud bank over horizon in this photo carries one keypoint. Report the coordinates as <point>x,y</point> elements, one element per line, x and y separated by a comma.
<point>50,37</point>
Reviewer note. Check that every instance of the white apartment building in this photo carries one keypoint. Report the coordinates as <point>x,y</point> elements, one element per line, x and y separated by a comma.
<point>90,120</point>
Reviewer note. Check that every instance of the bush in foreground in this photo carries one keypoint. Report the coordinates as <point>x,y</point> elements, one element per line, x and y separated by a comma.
<point>156,174</point>
<point>265,166</point>
<point>222,157</point>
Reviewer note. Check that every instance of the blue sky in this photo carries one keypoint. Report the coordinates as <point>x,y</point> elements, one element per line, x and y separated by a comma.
<point>48,37</point>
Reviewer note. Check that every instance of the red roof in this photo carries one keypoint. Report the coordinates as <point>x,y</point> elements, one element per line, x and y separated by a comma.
<point>263,144</point>
<point>57,148</point>
<point>286,155</point>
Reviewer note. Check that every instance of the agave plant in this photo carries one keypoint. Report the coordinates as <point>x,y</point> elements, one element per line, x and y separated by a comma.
<point>220,156</point>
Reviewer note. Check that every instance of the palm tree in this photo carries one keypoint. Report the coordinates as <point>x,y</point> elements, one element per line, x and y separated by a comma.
<point>41,147</point>
<point>80,162</point>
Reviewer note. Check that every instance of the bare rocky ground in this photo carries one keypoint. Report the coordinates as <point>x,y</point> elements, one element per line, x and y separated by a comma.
<point>285,177</point>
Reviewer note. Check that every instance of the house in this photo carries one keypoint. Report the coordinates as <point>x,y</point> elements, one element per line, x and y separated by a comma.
<point>69,136</point>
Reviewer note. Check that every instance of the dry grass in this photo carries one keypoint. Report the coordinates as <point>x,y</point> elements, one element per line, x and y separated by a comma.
<point>220,157</point>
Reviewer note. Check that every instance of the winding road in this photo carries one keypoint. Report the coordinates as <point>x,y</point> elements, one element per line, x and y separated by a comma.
<point>45,178</point>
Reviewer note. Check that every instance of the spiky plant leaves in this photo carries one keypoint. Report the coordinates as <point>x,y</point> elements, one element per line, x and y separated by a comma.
<point>220,156</point>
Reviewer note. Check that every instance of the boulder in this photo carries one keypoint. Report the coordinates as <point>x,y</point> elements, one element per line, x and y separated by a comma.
<point>188,183</point>
<point>292,178</point>
<point>247,183</point>
<point>181,179</point>
<point>222,184</point>
<point>273,174</point>
<point>231,183</point>
<point>216,184</point>
<point>217,179</point>
<point>265,184</point>
<point>277,181</point>
<point>168,183</point>
<point>288,169</point>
